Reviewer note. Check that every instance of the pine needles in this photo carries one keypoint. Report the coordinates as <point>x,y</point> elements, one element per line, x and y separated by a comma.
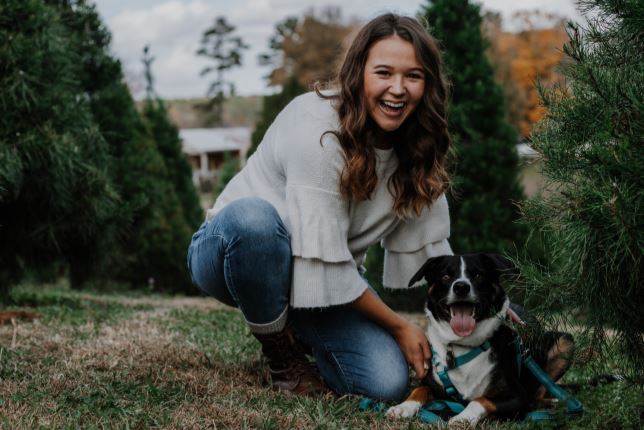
<point>592,223</point>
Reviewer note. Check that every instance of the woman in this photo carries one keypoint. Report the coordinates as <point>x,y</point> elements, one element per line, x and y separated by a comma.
<point>337,172</point>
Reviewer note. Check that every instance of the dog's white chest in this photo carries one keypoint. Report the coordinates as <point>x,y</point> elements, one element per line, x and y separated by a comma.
<point>470,379</point>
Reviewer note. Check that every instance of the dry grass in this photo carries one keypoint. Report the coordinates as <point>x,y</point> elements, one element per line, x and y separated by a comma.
<point>118,361</point>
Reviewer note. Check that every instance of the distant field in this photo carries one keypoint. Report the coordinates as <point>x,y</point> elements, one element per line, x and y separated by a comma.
<point>138,361</point>
<point>531,178</point>
<point>239,111</point>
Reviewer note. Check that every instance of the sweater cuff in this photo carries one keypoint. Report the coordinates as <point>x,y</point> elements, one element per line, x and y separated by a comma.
<point>399,267</point>
<point>319,284</point>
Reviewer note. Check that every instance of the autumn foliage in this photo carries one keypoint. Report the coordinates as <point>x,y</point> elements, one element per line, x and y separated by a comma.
<point>524,58</point>
<point>308,49</point>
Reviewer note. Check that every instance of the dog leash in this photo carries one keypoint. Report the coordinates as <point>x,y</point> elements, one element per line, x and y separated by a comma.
<point>574,407</point>
<point>428,413</point>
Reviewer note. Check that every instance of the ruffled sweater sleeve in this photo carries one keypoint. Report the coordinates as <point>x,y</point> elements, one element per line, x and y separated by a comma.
<point>317,216</point>
<point>413,241</point>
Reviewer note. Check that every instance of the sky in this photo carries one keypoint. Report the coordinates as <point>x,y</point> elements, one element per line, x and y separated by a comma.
<point>173,30</point>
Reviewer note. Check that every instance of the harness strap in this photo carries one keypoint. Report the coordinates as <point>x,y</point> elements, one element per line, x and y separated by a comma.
<point>448,386</point>
<point>470,355</point>
<point>453,363</point>
<point>427,413</point>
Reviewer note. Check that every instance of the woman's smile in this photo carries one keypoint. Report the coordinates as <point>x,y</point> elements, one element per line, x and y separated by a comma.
<point>394,82</point>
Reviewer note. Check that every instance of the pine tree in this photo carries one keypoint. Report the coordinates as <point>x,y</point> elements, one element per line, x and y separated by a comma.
<point>56,194</point>
<point>166,136</point>
<point>485,174</point>
<point>157,233</point>
<point>591,221</point>
<point>227,171</point>
<point>219,45</point>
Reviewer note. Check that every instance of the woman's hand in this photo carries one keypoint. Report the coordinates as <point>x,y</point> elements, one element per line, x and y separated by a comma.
<point>512,316</point>
<point>414,346</point>
<point>410,338</point>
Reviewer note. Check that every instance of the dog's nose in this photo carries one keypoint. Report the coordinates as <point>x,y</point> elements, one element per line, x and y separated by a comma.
<point>461,289</point>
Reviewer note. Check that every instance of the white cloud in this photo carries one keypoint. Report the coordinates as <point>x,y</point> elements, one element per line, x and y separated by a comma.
<point>173,29</point>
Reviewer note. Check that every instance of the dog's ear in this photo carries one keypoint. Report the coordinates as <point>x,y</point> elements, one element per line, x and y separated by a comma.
<point>503,266</point>
<point>427,271</point>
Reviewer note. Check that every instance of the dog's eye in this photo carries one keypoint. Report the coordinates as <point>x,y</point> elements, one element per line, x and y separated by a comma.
<point>478,276</point>
<point>445,278</point>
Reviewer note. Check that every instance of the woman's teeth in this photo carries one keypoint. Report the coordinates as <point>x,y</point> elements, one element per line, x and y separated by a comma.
<point>391,105</point>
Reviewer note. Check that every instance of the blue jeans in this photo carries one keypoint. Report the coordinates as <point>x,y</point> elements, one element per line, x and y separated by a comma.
<point>242,257</point>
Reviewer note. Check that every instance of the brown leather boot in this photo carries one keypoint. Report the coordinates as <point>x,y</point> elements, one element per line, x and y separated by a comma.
<point>290,370</point>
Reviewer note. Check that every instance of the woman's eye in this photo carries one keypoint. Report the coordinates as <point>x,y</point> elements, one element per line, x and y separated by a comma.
<point>445,278</point>
<point>382,73</point>
<point>415,76</point>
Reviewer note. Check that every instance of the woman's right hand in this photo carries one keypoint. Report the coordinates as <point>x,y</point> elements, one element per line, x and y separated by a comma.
<point>410,338</point>
<point>414,346</point>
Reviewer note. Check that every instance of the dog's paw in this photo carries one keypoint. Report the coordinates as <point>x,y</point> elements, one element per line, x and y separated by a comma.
<point>406,409</point>
<point>470,416</point>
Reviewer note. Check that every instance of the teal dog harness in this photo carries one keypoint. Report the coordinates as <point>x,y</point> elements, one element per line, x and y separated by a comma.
<point>453,363</point>
<point>429,412</point>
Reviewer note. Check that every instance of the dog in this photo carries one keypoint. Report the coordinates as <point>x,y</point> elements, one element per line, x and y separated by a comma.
<point>467,307</point>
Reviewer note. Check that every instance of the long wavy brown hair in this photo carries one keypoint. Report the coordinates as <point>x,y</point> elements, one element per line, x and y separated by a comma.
<point>421,142</point>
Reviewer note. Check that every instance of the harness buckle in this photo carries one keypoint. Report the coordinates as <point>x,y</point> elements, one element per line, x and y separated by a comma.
<point>451,361</point>
<point>525,353</point>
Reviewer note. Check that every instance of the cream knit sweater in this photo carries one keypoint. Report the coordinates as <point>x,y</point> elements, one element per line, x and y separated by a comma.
<point>330,236</point>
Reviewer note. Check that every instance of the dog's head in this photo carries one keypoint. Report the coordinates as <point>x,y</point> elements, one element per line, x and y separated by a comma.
<point>464,289</point>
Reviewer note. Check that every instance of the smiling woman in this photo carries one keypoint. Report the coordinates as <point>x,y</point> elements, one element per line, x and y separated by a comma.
<point>338,171</point>
<point>394,83</point>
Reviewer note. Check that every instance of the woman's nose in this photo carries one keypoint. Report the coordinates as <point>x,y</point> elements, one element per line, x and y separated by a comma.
<point>397,87</point>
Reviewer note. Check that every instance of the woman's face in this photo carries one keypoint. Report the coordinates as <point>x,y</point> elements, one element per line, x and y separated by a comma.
<point>394,82</point>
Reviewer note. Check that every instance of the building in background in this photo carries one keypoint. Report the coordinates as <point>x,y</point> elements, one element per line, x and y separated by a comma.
<point>206,149</point>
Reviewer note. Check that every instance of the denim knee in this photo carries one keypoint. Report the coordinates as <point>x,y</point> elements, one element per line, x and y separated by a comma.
<point>389,379</point>
<point>254,219</point>
<point>243,255</point>
<point>384,376</point>
<point>354,354</point>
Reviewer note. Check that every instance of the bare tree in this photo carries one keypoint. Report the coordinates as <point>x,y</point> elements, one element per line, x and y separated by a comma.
<point>225,50</point>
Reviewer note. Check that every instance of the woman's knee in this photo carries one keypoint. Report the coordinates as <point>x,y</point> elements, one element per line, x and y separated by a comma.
<point>389,380</point>
<point>383,380</point>
<point>252,218</point>
<point>378,373</point>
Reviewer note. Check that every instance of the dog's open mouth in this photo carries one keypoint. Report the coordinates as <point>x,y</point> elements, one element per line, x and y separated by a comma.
<point>462,318</point>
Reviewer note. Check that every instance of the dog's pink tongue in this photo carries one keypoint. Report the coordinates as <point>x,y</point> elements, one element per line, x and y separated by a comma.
<point>462,322</point>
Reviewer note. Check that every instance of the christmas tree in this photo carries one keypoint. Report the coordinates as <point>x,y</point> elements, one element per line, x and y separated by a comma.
<point>56,192</point>
<point>485,170</point>
<point>84,183</point>
<point>154,242</point>
<point>591,219</point>
<point>166,136</point>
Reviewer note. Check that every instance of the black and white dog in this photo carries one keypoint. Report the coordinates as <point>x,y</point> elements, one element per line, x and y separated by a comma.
<point>467,306</point>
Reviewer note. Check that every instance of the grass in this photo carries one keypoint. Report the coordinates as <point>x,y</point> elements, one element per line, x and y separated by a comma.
<point>132,361</point>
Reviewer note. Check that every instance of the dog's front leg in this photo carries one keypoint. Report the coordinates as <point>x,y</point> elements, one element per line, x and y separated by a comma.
<point>474,411</point>
<point>418,397</point>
